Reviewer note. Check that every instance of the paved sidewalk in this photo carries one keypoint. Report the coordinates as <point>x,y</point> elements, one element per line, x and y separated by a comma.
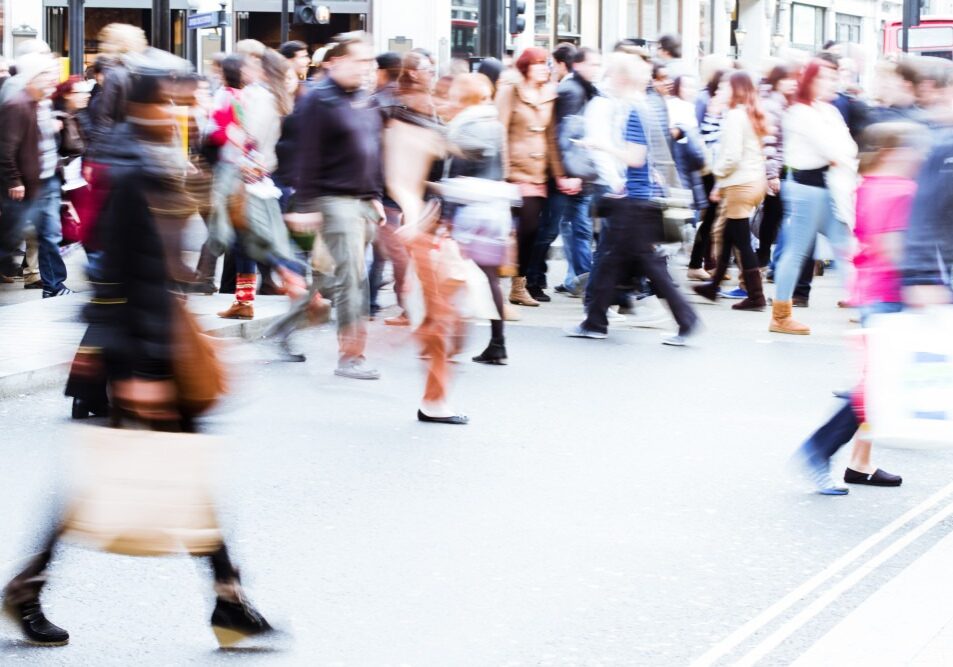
<point>907,622</point>
<point>40,336</point>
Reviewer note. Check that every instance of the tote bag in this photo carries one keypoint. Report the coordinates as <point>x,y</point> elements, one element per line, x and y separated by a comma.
<point>909,382</point>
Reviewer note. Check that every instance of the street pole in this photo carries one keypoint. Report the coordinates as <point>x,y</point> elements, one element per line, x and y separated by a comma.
<point>161,28</point>
<point>221,28</point>
<point>77,36</point>
<point>491,28</point>
<point>284,21</point>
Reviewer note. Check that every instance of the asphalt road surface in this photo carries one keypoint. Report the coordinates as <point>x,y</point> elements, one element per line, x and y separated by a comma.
<point>612,502</point>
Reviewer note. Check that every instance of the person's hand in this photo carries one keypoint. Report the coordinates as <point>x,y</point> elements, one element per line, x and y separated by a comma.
<point>569,186</point>
<point>17,193</point>
<point>378,207</point>
<point>715,196</point>
<point>918,296</point>
<point>774,185</point>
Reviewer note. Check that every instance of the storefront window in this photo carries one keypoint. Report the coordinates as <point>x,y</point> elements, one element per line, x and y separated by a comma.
<point>464,20</point>
<point>649,20</point>
<point>543,24</point>
<point>568,19</point>
<point>807,27</point>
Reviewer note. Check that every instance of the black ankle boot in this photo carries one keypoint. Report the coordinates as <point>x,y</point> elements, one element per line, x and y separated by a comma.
<point>494,354</point>
<point>234,621</point>
<point>37,629</point>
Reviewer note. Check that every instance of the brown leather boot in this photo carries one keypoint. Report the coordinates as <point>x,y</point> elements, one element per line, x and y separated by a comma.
<point>239,310</point>
<point>755,299</point>
<point>519,295</point>
<point>782,322</point>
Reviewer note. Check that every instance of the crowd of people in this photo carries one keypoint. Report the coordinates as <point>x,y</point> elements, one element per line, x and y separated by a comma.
<point>312,173</point>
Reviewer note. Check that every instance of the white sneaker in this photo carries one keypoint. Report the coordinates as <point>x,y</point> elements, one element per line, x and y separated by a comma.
<point>613,316</point>
<point>650,314</point>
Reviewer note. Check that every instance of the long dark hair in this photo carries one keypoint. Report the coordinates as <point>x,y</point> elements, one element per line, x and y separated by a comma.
<point>232,70</point>
<point>715,81</point>
<point>743,93</point>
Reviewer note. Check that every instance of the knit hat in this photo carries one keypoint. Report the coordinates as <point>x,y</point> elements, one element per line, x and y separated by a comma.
<point>32,65</point>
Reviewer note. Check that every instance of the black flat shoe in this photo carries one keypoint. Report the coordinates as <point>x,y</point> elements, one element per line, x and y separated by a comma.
<point>879,478</point>
<point>455,419</point>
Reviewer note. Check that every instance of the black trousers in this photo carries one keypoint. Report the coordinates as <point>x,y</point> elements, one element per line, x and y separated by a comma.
<point>635,226</point>
<point>701,249</point>
<point>772,214</point>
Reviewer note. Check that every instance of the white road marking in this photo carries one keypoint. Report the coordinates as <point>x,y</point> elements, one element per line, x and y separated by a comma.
<point>816,607</point>
<point>742,634</point>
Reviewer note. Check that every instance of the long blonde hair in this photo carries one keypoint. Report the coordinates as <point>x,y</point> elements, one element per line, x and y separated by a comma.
<point>274,67</point>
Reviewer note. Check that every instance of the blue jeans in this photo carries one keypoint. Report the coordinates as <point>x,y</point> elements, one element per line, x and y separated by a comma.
<point>878,308</point>
<point>43,212</point>
<point>834,434</point>
<point>809,211</point>
<point>575,227</point>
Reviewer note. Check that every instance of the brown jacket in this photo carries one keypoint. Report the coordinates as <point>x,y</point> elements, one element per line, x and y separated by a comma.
<point>19,145</point>
<point>530,154</point>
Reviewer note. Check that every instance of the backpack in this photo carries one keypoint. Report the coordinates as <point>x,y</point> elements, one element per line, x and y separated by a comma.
<point>577,159</point>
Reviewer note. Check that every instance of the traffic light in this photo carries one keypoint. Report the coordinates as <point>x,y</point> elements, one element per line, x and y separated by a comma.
<point>306,12</point>
<point>517,20</point>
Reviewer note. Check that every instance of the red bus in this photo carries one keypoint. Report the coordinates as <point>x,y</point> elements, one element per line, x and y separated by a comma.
<point>933,37</point>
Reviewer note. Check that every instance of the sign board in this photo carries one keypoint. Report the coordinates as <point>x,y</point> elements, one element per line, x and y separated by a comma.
<point>400,44</point>
<point>204,20</point>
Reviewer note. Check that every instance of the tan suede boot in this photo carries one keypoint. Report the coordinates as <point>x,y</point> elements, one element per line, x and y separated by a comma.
<point>782,322</point>
<point>519,294</point>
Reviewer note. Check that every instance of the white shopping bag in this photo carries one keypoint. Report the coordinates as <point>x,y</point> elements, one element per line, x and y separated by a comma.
<point>909,389</point>
<point>142,493</point>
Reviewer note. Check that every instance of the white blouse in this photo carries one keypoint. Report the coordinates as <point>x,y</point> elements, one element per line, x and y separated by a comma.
<point>815,136</point>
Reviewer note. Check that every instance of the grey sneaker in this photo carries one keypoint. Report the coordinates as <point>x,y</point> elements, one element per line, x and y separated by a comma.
<point>356,369</point>
<point>579,331</point>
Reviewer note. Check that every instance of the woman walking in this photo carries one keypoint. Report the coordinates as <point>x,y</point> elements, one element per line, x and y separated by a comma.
<point>778,93</point>
<point>475,138</point>
<point>709,126</point>
<point>531,158</point>
<point>261,233</point>
<point>816,140</point>
<point>135,323</point>
<point>740,173</point>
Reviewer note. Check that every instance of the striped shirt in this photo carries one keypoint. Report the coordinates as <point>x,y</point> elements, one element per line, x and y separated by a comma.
<point>48,152</point>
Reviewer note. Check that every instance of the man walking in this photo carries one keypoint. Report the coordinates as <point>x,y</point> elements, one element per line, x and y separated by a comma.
<point>339,180</point>
<point>29,183</point>
<point>635,221</point>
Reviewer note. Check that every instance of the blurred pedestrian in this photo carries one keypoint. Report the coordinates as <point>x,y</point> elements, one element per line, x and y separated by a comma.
<point>816,141</point>
<point>635,221</point>
<point>134,319</point>
<point>475,138</point>
<point>29,177</point>
<point>339,182</point>
<point>437,262</point>
<point>892,158</point>
<point>740,172</point>
<point>778,92</point>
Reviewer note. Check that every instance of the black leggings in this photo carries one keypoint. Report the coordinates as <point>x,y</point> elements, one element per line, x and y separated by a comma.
<point>493,276</point>
<point>737,235</point>
<point>527,230</point>
<point>701,249</point>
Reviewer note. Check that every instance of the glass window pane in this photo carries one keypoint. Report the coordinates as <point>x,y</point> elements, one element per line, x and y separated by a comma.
<point>932,37</point>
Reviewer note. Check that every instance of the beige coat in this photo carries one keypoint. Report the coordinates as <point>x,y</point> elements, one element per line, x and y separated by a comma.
<point>530,154</point>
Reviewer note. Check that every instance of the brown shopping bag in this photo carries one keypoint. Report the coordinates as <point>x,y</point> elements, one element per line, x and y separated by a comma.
<point>142,493</point>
